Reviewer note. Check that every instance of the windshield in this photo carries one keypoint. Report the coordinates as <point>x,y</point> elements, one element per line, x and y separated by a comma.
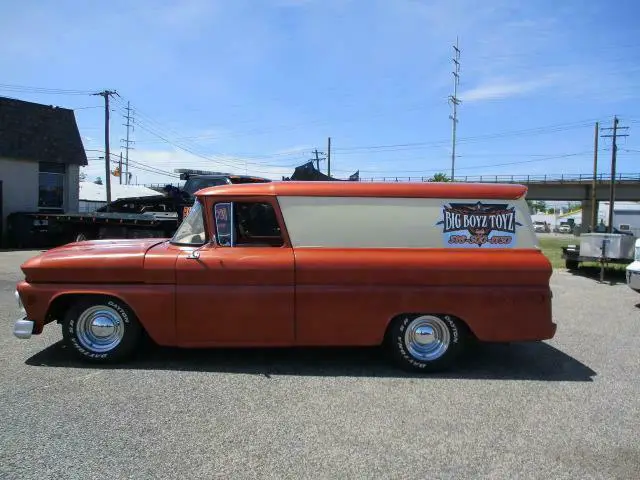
<point>191,231</point>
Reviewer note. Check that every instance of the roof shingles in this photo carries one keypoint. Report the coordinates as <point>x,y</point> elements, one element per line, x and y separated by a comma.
<point>31,131</point>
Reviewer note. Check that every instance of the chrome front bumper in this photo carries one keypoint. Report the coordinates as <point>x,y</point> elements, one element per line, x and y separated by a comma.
<point>23,328</point>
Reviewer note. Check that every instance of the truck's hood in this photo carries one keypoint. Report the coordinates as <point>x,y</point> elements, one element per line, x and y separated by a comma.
<point>97,261</point>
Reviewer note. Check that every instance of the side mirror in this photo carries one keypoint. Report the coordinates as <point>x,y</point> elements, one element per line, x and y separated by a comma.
<point>195,253</point>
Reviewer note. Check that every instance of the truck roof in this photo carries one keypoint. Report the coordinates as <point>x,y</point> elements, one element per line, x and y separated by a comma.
<point>371,189</point>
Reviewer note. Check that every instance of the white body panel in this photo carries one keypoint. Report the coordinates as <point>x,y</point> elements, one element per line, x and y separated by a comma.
<point>633,269</point>
<point>383,222</point>
<point>616,245</point>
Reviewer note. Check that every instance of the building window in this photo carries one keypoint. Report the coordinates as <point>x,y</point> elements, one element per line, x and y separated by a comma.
<point>51,185</point>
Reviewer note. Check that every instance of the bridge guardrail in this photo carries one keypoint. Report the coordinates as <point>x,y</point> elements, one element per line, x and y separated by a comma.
<point>523,179</point>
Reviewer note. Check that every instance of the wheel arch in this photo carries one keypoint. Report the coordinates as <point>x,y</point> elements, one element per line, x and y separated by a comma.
<point>61,303</point>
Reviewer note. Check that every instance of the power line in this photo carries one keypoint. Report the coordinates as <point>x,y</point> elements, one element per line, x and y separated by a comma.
<point>42,90</point>
<point>553,157</point>
<point>236,164</point>
<point>146,168</point>
<point>228,163</point>
<point>512,133</point>
<point>157,170</point>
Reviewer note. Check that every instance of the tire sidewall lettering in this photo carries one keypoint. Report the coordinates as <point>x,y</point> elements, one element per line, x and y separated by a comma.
<point>87,353</point>
<point>453,327</point>
<point>119,309</point>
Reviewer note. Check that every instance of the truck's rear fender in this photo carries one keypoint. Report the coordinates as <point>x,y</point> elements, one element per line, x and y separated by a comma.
<point>347,298</point>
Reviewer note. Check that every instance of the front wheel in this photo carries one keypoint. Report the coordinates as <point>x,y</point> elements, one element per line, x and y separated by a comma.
<point>426,342</point>
<point>101,329</point>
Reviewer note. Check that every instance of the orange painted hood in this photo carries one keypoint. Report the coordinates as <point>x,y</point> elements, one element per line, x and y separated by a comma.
<point>97,261</point>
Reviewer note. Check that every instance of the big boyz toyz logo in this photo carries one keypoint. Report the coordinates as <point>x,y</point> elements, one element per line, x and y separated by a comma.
<point>471,224</point>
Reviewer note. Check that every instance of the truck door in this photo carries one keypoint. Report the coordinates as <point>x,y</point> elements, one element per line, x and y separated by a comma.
<point>240,289</point>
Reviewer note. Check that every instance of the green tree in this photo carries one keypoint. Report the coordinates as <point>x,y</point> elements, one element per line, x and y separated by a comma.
<point>98,181</point>
<point>440,177</point>
<point>537,206</point>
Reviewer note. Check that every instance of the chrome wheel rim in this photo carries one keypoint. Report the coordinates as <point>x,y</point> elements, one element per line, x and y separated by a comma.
<point>100,329</point>
<point>427,338</point>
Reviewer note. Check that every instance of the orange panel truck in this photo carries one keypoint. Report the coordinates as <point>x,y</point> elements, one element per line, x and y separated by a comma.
<point>420,269</point>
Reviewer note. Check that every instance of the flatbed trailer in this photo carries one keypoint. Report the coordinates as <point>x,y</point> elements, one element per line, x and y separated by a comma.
<point>37,229</point>
<point>156,216</point>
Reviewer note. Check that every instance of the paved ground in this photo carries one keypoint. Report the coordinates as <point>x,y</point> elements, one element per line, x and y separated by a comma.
<point>568,408</point>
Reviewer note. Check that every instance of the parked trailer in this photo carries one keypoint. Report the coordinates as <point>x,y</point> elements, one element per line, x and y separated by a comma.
<point>156,216</point>
<point>42,230</point>
<point>600,247</point>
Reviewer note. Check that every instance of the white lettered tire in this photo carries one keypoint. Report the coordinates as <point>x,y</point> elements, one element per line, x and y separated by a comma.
<point>426,342</point>
<point>101,329</point>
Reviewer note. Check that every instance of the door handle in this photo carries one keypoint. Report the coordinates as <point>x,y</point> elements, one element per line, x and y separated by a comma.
<point>193,255</point>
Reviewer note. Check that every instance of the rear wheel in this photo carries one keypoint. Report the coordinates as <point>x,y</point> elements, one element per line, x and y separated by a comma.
<point>571,264</point>
<point>426,342</point>
<point>101,329</point>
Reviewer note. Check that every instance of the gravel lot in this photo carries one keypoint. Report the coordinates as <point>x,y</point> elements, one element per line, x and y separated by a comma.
<point>567,408</point>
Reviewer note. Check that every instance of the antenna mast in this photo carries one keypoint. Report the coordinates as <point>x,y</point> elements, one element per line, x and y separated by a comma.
<point>454,102</point>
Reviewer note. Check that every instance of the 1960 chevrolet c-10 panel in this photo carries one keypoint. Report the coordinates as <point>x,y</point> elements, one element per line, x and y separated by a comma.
<point>418,268</point>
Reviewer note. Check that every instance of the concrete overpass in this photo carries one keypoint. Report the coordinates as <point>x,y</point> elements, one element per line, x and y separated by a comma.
<point>568,187</point>
<point>558,187</point>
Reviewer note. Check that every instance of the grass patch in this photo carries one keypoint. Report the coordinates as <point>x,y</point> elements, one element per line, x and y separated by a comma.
<point>552,248</point>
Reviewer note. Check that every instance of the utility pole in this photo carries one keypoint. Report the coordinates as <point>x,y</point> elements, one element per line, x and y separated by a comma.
<point>317,159</point>
<point>454,102</point>
<point>127,142</point>
<point>120,169</point>
<point>594,202</point>
<point>614,150</point>
<point>107,157</point>
<point>329,156</point>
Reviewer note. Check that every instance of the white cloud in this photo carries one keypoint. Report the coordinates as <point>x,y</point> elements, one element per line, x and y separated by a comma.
<point>294,150</point>
<point>184,14</point>
<point>500,89</point>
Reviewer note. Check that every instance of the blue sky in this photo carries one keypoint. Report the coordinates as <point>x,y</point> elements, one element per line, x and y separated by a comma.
<point>254,86</point>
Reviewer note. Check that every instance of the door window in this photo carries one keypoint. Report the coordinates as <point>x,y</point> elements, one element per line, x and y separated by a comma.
<point>247,224</point>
